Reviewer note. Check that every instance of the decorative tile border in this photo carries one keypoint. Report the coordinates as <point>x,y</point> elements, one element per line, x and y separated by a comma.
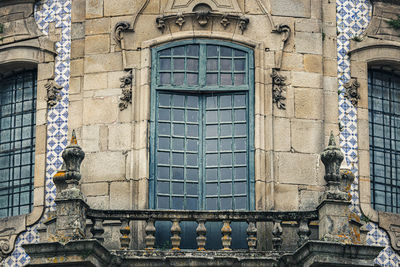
<point>352,18</point>
<point>58,12</point>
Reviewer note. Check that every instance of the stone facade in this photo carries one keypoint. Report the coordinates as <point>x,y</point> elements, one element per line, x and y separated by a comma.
<point>94,71</point>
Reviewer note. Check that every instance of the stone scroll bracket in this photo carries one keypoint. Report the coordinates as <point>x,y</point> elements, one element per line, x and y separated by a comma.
<point>284,30</point>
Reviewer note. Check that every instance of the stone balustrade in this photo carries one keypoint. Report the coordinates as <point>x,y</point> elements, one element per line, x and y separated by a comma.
<point>302,218</point>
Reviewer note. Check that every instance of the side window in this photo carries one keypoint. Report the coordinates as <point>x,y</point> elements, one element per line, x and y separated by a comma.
<point>384,131</point>
<point>202,139</point>
<point>17,142</point>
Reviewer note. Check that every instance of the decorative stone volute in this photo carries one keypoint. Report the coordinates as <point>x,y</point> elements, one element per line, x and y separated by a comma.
<point>332,157</point>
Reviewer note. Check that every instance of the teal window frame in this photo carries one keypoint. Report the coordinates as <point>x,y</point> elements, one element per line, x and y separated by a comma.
<point>202,90</point>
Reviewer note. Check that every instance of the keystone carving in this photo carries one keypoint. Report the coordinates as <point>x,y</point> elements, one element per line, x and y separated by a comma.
<point>180,21</point>
<point>351,92</point>
<point>203,17</point>
<point>118,29</point>
<point>278,87</point>
<point>225,21</point>
<point>243,22</point>
<point>53,92</point>
<point>160,23</point>
<point>126,85</point>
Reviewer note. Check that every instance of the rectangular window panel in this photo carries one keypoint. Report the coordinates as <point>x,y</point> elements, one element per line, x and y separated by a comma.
<point>17,142</point>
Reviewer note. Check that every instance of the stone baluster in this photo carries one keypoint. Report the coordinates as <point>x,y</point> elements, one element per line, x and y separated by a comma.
<point>201,235</point>
<point>226,238</point>
<point>303,232</point>
<point>150,232</point>
<point>98,230</point>
<point>277,233</point>
<point>175,231</point>
<point>252,235</point>
<point>125,231</point>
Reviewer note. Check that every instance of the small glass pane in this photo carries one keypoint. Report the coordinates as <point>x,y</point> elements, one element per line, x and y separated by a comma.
<point>179,51</point>
<point>211,160</point>
<point>226,174</point>
<point>191,189</point>
<point>240,188</point>
<point>212,64</point>
<point>179,63</point>
<point>178,144</point>
<point>164,100</point>
<point>240,129</point>
<point>163,143</point>
<point>164,114</point>
<point>193,79</point>
<point>164,128</point>
<point>240,173</point>
<point>163,202</point>
<point>211,116</point>
<point>178,101</point>
<point>163,187</point>
<point>192,101</point>
<point>163,157</point>
<point>240,158</point>
<point>212,174</point>
<point>192,50</point>
<point>226,51</point>
<point>239,53</point>
<point>226,79</point>
<point>212,130</point>
<point>179,78</point>
<point>212,51</point>
<point>177,203</point>
<point>226,130</point>
<point>239,79</point>
<point>211,102</point>
<point>212,79</point>
<point>191,203</point>
<point>165,64</point>
<point>226,144</point>
<point>211,189</point>
<point>240,143</point>
<point>191,159</point>
<point>179,129</point>
<point>165,52</point>
<point>211,204</point>
<point>240,203</point>
<point>226,64</point>
<point>212,145</point>
<point>192,174</point>
<point>226,101</point>
<point>226,203</point>
<point>177,159</point>
<point>178,115</point>
<point>177,173</point>
<point>165,78</point>
<point>192,145</point>
<point>192,130</point>
<point>177,188</point>
<point>240,115</point>
<point>240,64</point>
<point>192,64</point>
<point>226,115</point>
<point>226,159</point>
<point>192,116</point>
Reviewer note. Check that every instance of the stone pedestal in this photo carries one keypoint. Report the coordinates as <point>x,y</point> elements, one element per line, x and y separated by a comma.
<point>334,221</point>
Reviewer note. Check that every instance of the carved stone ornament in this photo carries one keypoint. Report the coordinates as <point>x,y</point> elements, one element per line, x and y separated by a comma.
<point>278,87</point>
<point>53,93</point>
<point>180,20</point>
<point>243,22</point>
<point>351,92</point>
<point>126,85</point>
<point>5,246</point>
<point>118,29</point>
<point>284,31</point>
<point>390,223</point>
<point>203,17</point>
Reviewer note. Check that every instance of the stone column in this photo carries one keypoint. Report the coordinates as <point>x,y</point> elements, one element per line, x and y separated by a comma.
<point>334,211</point>
<point>71,205</point>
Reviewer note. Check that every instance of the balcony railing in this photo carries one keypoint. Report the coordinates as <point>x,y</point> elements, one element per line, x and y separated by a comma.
<point>302,218</point>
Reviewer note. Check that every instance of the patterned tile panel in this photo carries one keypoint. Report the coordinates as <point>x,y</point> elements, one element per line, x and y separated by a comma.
<point>59,13</point>
<point>352,18</point>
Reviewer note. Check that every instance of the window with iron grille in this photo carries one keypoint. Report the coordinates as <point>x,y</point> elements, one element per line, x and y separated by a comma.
<point>384,138</point>
<point>17,142</point>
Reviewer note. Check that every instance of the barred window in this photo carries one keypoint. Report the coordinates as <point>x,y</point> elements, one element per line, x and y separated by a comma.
<point>384,138</point>
<point>17,142</point>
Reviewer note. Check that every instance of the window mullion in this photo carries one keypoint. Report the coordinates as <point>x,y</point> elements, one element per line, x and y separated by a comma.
<point>202,65</point>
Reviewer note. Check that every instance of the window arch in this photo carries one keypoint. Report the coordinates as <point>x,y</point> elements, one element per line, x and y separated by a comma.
<point>202,131</point>
<point>384,133</point>
<point>17,142</point>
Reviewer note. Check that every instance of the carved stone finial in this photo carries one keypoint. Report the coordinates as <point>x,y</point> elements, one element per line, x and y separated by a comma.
<point>126,85</point>
<point>351,92</point>
<point>53,92</point>
<point>118,29</point>
<point>73,138</point>
<point>332,157</point>
<point>243,22</point>
<point>278,87</point>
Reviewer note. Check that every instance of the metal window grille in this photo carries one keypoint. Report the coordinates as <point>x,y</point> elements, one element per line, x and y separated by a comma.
<point>17,142</point>
<point>384,139</point>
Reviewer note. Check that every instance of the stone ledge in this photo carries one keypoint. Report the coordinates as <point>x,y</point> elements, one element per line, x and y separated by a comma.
<point>75,253</point>
<point>322,253</point>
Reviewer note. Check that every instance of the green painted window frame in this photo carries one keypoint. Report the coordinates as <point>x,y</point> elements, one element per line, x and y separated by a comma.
<point>201,89</point>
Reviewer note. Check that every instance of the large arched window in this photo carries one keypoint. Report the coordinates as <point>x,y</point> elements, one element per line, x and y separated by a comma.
<point>17,142</point>
<point>384,134</point>
<point>202,126</point>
